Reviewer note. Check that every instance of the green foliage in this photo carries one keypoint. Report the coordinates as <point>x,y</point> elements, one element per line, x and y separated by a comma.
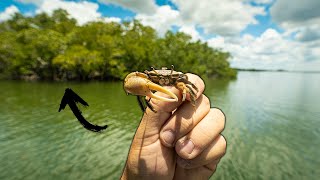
<point>56,48</point>
<point>77,62</point>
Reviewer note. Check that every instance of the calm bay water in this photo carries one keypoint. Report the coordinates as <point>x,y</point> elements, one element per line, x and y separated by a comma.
<point>272,129</point>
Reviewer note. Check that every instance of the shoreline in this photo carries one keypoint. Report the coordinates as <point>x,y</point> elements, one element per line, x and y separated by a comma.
<point>276,70</point>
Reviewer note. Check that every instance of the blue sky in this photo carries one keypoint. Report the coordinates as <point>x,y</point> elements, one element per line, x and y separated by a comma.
<point>262,34</point>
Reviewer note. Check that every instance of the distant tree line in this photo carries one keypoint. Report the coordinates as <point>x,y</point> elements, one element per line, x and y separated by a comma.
<point>55,48</point>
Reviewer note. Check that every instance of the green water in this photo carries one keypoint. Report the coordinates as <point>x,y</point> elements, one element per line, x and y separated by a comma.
<point>272,129</point>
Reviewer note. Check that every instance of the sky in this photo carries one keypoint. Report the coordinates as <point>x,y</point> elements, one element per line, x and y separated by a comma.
<point>259,34</point>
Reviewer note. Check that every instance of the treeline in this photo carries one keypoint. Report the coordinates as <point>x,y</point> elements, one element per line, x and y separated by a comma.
<point>55,48</point>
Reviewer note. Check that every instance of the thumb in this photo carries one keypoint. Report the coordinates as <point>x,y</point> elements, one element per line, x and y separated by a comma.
<point>152,122</point>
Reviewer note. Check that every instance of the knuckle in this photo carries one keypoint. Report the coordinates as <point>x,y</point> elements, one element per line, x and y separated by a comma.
<point>205,134</point>
<point>186,125</point>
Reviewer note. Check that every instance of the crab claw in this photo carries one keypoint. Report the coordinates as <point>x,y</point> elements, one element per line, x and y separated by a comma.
<point>137,83</point>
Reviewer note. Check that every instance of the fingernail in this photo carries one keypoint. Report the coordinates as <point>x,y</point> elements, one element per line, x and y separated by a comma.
<point>187,146</point>
<point>168,136</point>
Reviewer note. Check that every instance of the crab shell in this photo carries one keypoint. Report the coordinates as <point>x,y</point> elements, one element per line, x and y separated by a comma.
<point>165,77</point>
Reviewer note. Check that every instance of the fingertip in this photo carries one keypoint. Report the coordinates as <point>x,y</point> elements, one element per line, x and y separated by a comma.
<point>223,145</point>
<point>186,148</point>
<point>167,138</point>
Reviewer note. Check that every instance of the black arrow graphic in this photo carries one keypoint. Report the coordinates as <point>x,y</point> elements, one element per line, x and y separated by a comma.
<point>71,98</point>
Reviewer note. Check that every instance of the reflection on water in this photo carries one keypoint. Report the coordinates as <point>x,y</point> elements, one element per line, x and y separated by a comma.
<point>272,128</point>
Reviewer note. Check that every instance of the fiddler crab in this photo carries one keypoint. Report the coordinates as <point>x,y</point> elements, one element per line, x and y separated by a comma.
<point>145,84</point>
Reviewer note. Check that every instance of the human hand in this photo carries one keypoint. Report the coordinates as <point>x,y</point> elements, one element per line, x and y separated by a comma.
<point>179,141</point>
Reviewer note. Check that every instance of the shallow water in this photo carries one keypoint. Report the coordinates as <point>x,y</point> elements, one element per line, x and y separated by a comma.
<point>272,128</point>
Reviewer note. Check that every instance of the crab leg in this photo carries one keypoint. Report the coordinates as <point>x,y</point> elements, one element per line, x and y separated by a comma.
<point>182,87</point>
<point>187,88</point>
<point>192,95</point>
<point>185,80</point>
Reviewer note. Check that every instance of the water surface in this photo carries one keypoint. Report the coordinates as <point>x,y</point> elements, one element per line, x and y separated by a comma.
<point>272,128</point>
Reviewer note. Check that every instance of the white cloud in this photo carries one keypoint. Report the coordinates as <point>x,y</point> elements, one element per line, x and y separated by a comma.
<point>228,17</point>
<point>269,51</point>
<point>140,6</point>
<point>8,13</point>
<point>83,11</point>
<point>162,20</point>
<point>37,2</point>
<point>192,31</point>
<point>301,19</point>
<point>111,19</point>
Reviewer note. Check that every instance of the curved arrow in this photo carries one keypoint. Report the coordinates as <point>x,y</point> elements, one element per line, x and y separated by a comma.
<point>71,98</point>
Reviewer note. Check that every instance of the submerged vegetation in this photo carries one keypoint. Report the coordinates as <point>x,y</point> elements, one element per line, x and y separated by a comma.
<point>55,48</point>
